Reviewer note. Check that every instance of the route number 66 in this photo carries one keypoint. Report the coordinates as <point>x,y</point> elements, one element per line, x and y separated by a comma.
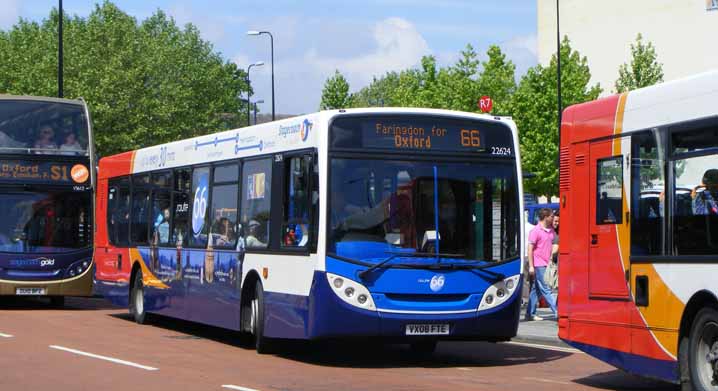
<point>199,209</point>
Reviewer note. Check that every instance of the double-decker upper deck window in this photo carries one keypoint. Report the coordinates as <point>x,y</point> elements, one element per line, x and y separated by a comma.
<point>43,127</point>
<point>695,193</point>
<point>609,188</point>
<point>256,200</point>
<point>296,229</point>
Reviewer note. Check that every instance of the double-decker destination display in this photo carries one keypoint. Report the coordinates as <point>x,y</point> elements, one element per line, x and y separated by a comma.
<point>639,184</point>
<point>46,182</point>
<point>401,224</point>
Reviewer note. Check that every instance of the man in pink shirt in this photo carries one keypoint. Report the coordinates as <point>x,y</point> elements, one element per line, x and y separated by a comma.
<point>540,252</point>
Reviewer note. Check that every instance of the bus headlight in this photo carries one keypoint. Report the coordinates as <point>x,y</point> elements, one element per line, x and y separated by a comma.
<point>499,293</point>
<point>78,268</point>
<point>351,292</point>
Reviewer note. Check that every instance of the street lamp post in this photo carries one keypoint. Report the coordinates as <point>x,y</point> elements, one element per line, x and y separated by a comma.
<point>255,109</point>
<point>249,90</point>
<point>271,42</point>
<point>60,92</point>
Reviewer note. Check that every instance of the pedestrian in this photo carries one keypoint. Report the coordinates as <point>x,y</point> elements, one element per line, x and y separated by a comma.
<point>540,250</point>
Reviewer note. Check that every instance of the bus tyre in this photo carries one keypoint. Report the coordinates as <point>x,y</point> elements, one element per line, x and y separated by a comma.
<point>261,343</point>
<point>57,301</point>
<point>137,300</point>
<point>703,350</point>
<point>423,348</point>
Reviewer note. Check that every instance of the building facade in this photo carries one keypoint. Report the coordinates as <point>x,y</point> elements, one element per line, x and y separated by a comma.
<point>683,32</point>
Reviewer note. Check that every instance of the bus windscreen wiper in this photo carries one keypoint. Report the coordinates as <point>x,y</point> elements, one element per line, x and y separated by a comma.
<point>363,273</point>
<point>420,254</point>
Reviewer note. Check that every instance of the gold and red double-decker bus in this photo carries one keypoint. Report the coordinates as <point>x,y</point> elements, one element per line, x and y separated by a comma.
<point>639,249</point>
<point>46,203</point>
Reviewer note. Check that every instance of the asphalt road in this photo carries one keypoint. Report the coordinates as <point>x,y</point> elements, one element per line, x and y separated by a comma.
<point>90,345</point>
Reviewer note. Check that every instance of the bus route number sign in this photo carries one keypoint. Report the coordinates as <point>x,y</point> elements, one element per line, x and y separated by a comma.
<point>485,104</point>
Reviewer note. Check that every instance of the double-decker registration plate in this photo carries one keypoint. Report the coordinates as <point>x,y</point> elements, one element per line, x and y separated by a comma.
<point>427,329</point>
<point>30,291</point>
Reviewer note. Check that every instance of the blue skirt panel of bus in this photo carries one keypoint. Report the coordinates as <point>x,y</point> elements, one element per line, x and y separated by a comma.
<point>632,363</point>
<point>41,266</point>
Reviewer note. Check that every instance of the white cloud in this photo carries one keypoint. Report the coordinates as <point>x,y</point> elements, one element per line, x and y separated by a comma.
<point>211,29</point>
<point>398,46</point>
<point>9,13</point>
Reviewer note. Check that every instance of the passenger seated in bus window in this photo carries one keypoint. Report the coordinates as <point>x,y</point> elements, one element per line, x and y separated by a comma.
<point>705,196</point>
<point>224,235</point>
<point>296,235</point>
<point>46,139</point>
<point>70,145</point>
<point>162,226</point>
<point>252,240</point>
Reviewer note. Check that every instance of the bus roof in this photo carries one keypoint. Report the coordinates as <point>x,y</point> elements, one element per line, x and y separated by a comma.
<point>42,99</point>
<point>284,135</point>
<point>661,104</point>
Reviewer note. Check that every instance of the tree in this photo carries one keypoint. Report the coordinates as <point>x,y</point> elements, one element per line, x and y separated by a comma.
<point>644,69</point>
<point>379,93</point>
<point>498,80</point>
<point>335,94</point>
<point>145,83</point>
<point>534,107</point>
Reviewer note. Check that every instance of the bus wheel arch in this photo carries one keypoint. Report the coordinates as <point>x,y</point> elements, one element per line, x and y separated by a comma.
<point>700,300</point>
<point>254,309</point>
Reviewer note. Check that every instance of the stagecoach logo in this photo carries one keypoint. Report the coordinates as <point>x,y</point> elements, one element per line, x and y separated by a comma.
<point>306,127</point>
<point>437,282</point>
<point>42,262</point>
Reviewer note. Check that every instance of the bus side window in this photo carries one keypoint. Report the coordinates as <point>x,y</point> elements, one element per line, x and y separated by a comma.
<point>297,227</point>
<point>256,201</point>
<point>609,200</point>
<point>139,215</point>
<point>118,211</point>
<point>647,195</point>
<point>160,217</point>
<point>225,191</point>
<point>695,193</point>
<point>181,188</point>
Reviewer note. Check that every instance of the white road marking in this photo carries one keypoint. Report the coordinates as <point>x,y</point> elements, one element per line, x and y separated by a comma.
<point>240,388</point>
<point>463,369</point>
<point>547,381</point>
<point>546,347</point>
<point>110,359</point>
<point>5,335</point>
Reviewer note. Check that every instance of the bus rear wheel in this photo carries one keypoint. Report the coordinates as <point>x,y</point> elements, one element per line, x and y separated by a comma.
<point>261,343</point>
<point>137,300</point>
<point>703,350</point>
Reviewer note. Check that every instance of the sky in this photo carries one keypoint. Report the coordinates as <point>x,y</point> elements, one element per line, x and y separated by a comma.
<point>312,39</point>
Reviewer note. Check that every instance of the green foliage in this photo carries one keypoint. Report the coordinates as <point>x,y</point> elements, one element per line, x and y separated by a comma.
<point>145,83</point>
<point>644,69</point>
<point>498,80</point>
<point>534,108</point>
<point>335,94</point>
<point>379,92</point>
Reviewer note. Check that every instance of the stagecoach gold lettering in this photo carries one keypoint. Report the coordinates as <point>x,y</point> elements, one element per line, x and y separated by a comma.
<point>407,136</point>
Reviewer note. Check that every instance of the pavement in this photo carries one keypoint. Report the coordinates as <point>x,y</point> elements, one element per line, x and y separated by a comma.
<point>539,331</point>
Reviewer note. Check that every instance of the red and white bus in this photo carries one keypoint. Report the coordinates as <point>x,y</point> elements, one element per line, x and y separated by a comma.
<point>639,250</point>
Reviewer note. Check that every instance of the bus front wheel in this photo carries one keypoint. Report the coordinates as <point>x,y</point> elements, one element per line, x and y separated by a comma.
<point>703,350</point>
<point>261,343</point>
<point>137,300</point>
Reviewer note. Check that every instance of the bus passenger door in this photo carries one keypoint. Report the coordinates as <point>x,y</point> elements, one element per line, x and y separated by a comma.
<point>608,244</point>
<point>608,232</point>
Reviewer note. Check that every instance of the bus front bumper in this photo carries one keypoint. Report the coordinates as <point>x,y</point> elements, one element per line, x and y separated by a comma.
<point>76,286</point>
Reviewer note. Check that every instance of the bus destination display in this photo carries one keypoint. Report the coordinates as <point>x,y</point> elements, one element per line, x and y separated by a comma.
<point>422,133</point>
<point>43,172</point>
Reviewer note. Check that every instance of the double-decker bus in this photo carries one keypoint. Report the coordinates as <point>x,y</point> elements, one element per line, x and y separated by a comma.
<point>639,243</point>
<point>394,223</point>
<point>46,203</point>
